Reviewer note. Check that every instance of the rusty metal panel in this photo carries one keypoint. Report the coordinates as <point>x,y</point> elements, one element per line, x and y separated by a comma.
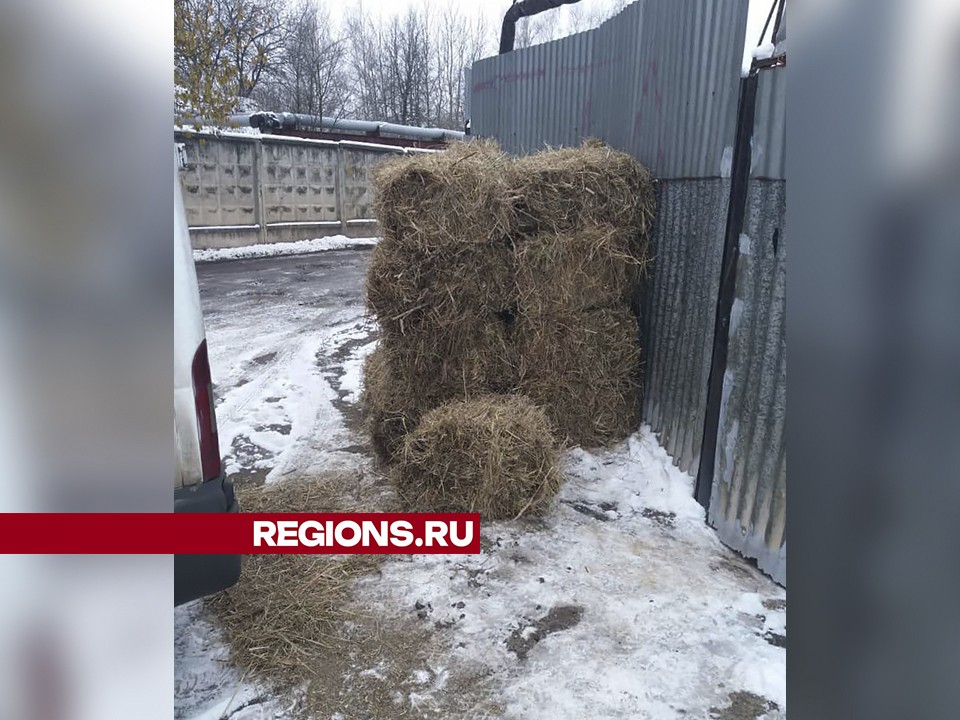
<point>678,312</point>
<point>748,501</point>
<point>659,80</point>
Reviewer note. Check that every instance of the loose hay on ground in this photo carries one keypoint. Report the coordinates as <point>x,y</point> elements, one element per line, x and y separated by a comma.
<point>587,269</point>
<point>494,455</point>
<point>456,196</point>
<point>570,189</point>
<point>286,609</point>
<point>583,369</point>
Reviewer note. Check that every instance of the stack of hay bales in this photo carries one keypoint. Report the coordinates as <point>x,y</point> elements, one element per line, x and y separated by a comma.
<point>499,277</point>
<point>582,223</point>
<point>439,283</point>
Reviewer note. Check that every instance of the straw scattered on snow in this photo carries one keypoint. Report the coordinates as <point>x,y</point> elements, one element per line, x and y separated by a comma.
<point>286,610</point>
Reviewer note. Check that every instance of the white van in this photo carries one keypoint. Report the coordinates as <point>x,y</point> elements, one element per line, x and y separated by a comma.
<point>200,485</point>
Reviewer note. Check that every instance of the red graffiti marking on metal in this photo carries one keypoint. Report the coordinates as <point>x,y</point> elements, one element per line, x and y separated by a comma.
<point>651,93</point>
<point>510,78</point>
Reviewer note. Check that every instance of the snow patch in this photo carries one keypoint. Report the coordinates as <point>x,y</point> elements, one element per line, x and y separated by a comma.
<point>207,687</point>
<point>726,162</point>
<point>299,247</point>
<point>352,380</point>
<point>764,51</point>
<point>750,604</point>
<point>374,672</point>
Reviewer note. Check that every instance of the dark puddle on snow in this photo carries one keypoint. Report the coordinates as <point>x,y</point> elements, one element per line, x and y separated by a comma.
<point>264,359</point>
<point>560,617</point>
<point>775,639</point>
<point>602,511</point>
<point>663,519</point>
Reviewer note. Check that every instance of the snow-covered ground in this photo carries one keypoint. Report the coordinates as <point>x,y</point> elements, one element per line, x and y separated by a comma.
<point>205,686</point>
<point>297,247</point>
<point>619,603</point>
<point>663,620</point>
<point>280,331</point>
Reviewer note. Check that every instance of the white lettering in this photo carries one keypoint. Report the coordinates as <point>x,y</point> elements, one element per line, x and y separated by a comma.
<point>370,531</point>
<point>435,530</point>
<point>263,532</point>
<point>287,533</point>
<point>308,538</point>
<point>467,533</point>
<point>402,532</point>
<point>353,528</point>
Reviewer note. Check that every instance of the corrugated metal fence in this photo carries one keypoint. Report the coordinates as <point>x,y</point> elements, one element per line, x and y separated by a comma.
<point>748,502</point>
<point>658,81</point>
<point>661,81</point>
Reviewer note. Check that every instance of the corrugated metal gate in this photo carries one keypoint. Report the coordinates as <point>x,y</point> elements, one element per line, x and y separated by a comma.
<point>661,81</point>
<point>749,480</point>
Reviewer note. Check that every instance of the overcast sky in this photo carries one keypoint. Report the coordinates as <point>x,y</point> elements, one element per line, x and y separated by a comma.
<point>494,10</point>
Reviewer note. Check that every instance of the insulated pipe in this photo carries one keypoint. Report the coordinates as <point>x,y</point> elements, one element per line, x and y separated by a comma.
<point>271,121</point>
<point>524,8</point>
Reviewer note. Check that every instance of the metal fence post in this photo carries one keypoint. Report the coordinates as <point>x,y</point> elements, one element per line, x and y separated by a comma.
<point>736,208</point>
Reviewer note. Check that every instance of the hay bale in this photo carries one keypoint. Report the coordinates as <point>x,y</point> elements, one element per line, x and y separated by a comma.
<point>463,359</point>
<point>494,455</point>
<point>584,270</point>
<point>286,609</point>
<point>452,197</point>
<point>565,190</point>
<point>583,369</point>
<point>390,409</point>
<point>446,285</point>
<point>405,378</point>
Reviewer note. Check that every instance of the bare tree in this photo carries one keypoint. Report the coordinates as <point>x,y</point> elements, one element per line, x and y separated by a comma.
<point>310,75</point>
<point>459,42</point>
<point>391,63</point>
<point>365,40</point>
<point>538,29</point>
<point>403,67</point>
<point>585,16</point>
<point>409,69</point>
<point>257,34</point>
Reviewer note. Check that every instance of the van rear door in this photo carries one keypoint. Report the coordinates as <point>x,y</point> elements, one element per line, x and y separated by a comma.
<point>200,485</point>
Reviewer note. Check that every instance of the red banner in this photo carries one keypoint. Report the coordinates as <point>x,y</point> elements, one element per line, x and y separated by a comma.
<point>242,533</point>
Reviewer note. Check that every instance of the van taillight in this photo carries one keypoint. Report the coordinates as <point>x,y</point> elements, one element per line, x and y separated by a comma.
<point>206,418</point>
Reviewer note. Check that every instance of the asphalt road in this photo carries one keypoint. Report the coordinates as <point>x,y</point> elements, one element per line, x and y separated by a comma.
<point>282,332</point>
<point>329,280</point>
